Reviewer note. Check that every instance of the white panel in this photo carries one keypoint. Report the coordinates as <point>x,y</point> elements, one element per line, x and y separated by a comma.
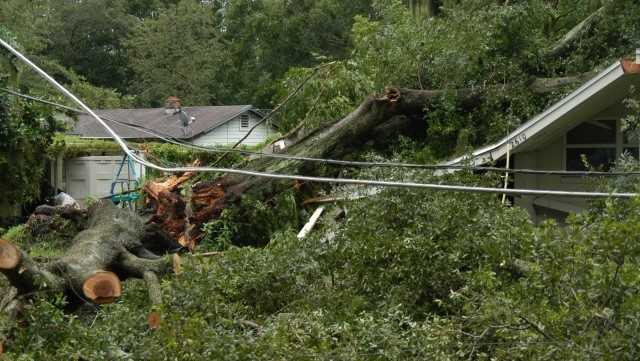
<point>232,132</point>
<point>92,176</point>
<point>77,174</point>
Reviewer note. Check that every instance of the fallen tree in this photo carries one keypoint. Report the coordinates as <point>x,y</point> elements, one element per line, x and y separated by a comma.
<point>117,244</point>
<point>101,257</point>
<point>396,110</point>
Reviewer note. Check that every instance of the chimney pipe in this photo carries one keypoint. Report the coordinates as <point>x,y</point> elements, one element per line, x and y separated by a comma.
<point>172,105</point>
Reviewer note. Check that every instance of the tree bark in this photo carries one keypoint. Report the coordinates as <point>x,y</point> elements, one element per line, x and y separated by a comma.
<point>565,43</point>
<point>375,118</point>
<point>107,252</point>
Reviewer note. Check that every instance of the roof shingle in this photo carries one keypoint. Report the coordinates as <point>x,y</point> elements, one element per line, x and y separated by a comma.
<point>206,119</point>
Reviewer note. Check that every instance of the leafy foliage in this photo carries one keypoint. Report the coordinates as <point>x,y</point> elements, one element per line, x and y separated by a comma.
<point>253,221</point>
<point>167,153</point>
<point>407,276</point>
<point>488,46</point>
<point>25,130</point>
<point>234,48</point>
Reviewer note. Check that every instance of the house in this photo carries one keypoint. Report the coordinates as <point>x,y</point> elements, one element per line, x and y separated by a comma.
<point>202,125</point>
<point>92,176</point>
<point>586,123</point>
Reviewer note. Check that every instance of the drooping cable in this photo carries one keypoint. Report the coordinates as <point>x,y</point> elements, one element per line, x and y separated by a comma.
<point>315,71</point>
<point>170,139</point>
<point>363,182</point>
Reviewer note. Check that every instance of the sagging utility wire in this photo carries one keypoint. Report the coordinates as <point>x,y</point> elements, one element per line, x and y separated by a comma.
<point>315,71</point>
<point>170,139</point>
<point>364,182</point>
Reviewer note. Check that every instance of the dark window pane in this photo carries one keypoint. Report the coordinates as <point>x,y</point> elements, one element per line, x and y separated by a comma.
<point>593,132</point>
<point>598,158</point>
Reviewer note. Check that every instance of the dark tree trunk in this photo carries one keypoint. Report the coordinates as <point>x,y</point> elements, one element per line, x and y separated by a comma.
<point>375,118</point>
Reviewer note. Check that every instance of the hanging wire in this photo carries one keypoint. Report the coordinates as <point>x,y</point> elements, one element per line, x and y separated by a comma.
<point>170,139</point>
<point>315,71</point>
<point>364,182</point>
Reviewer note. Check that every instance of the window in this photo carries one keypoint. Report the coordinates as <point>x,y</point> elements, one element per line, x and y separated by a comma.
<point>597,143</point>
<point>244,121</point>
<point>593,142</point>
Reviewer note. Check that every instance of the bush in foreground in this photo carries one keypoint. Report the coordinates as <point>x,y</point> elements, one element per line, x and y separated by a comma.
<point>408,275</point>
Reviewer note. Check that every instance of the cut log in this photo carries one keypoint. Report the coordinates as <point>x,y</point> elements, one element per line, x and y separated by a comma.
<point>11,307</point>
<point>102,288</point>
<point>9,255</point>
<point>92,269</point>
<point>44,219</point>
<point>154,320</point>
<point>176,264</point>
<point>155,296</point>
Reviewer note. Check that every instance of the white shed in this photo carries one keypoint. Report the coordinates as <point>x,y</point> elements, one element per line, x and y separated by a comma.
<point>92,177</point>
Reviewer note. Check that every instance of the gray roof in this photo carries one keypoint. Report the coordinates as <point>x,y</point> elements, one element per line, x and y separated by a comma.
<point>206,119</point>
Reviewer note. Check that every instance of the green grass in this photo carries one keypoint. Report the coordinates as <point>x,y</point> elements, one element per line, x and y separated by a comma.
<point>45,246</point>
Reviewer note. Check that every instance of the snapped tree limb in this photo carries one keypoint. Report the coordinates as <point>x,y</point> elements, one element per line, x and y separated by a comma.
<point>376,117</point>
<point>565,43</point>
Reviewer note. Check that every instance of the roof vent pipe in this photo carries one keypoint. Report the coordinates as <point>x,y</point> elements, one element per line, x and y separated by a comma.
<point>172,105</point>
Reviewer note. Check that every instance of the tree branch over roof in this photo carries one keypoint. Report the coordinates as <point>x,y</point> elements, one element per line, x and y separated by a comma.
<point>562,45</point>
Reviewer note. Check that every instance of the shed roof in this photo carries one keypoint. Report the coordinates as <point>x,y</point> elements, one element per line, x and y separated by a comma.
<point>608,87</point>
<point>207,118</point>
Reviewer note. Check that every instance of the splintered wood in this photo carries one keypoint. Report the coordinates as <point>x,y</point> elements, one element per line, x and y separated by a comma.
<point>182,216</point>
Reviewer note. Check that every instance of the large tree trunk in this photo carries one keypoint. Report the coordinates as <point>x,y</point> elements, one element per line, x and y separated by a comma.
<point>376,117</point>
<point>108,252</point>
<point>183,219</point>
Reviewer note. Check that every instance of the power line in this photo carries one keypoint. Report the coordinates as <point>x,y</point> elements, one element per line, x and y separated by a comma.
<point>364,182</point>
<point>329,161</point>
<point>169,139</point>
<point>276,109</point>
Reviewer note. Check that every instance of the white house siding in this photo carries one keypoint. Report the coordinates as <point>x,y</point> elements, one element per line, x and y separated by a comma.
<point>551,156</point>
<point>91,177</point>
<point>231,132</point>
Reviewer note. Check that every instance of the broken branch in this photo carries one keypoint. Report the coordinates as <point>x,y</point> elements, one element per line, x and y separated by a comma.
<point>562,45</point>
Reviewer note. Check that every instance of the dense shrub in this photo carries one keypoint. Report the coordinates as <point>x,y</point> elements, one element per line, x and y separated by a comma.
<point>25,130</point>
<point>408,275</point>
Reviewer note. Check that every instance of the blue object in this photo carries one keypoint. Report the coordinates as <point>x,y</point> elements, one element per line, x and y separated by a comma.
<point>127,194</point>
